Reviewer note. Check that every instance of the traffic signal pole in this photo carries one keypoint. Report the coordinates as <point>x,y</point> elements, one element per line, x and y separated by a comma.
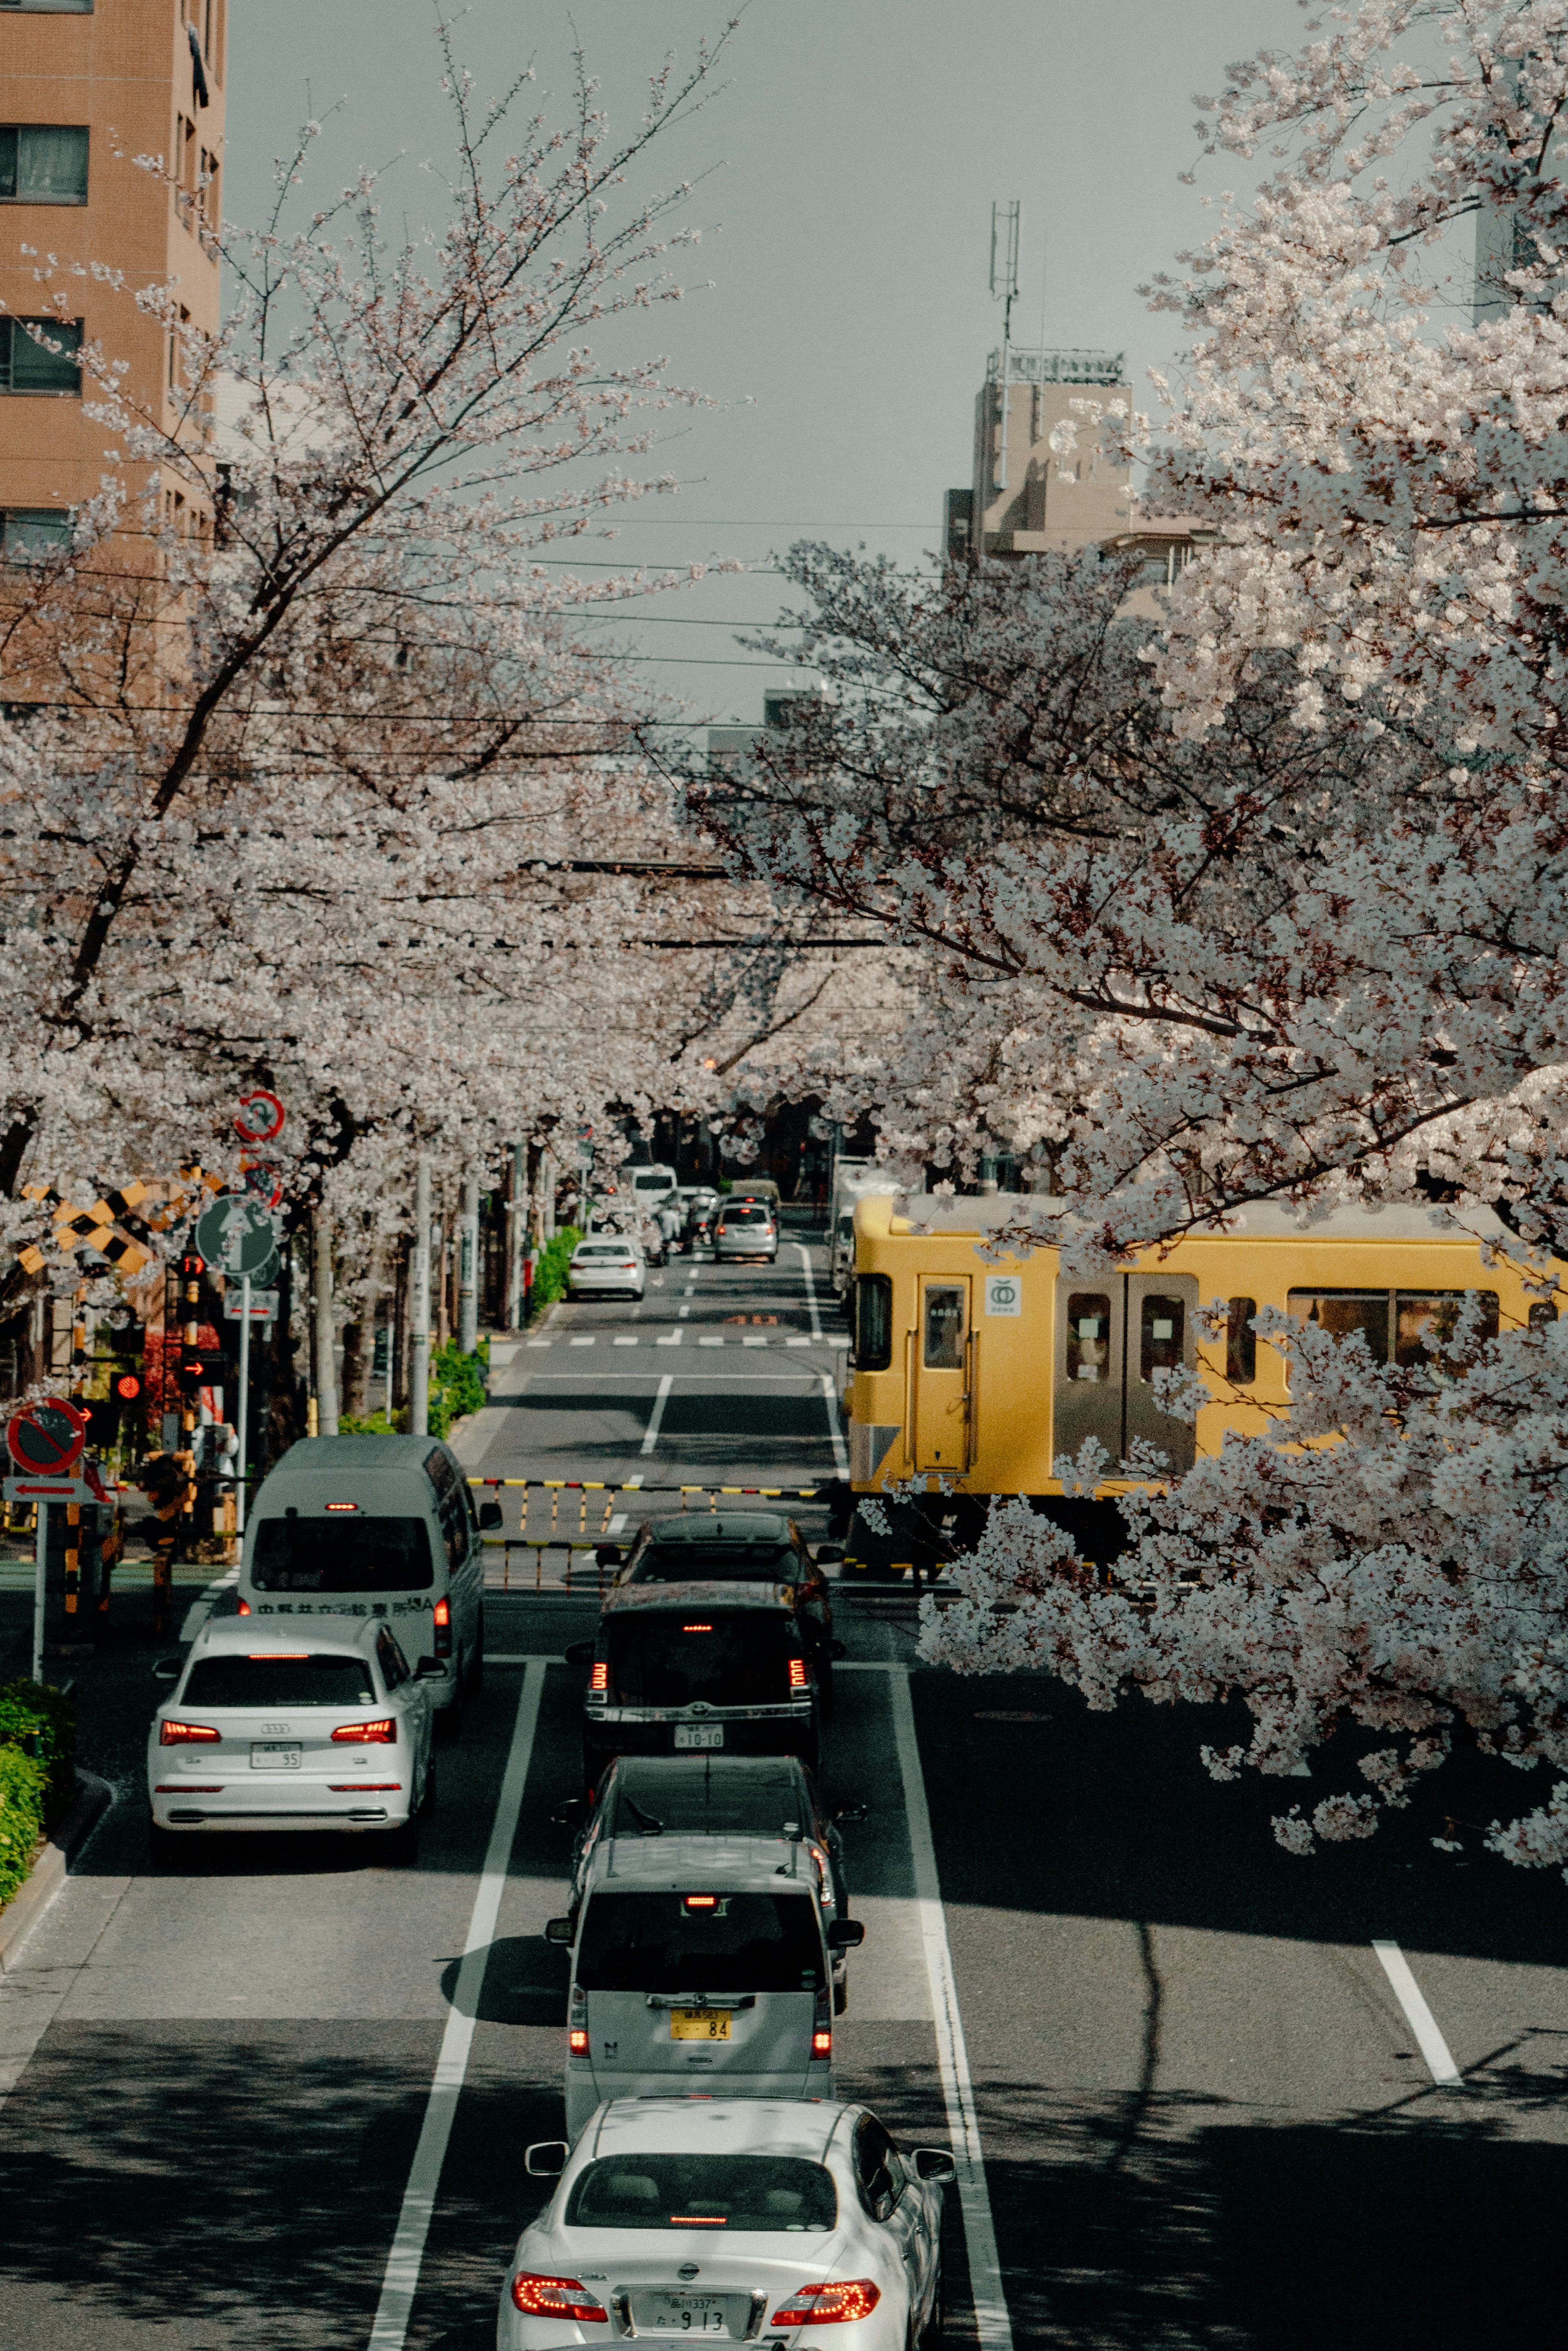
<point>40,1570</point>
<point>242,1422</point>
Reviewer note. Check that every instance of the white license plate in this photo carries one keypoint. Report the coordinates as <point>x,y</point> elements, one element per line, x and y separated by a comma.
<point>683,2314</point>
<point>268,1756</point>
<point>692,1736</point>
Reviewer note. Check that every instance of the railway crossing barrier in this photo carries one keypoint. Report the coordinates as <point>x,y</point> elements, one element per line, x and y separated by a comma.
<point>549,1505</point>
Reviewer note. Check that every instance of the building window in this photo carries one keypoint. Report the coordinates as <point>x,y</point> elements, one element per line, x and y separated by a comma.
<point>42,164</point>
<point>32,534</point>
<point>51,365</point>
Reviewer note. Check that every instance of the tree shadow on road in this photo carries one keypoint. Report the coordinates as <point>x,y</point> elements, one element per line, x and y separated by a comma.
<point>526,1982</point>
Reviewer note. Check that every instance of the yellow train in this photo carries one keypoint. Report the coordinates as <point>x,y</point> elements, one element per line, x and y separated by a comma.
<point>983,1375</point>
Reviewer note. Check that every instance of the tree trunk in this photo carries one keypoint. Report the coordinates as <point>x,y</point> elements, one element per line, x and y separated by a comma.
<point>326,1354</point>
<point>359,1336</point>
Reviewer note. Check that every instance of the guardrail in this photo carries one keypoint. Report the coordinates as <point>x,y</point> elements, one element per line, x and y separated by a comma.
<point>548,1506</point>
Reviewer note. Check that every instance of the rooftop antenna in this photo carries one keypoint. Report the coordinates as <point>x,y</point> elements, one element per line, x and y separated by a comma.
<point>1006,219</point>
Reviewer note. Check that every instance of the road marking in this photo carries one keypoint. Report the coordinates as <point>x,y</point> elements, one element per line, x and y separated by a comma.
<point>540,1343</point>
<point>992,2323</point>
<point>754,1342</point>
<point>626,1343</point>
<point>651,1433</point>
<point>1417,2015</point>
<point>835,1434</point>
<point>682,1312</point>
<point>710,1343</point>
<point>797,1343</point>
<point>810,1290</point>
<point>580,1343</point>
<point>401,2280</point>
<point>674,1339</point>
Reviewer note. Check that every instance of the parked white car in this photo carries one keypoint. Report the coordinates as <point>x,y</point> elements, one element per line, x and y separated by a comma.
<point>731,2220</point>
<point>607,1266</point>
<point>316,1725</point>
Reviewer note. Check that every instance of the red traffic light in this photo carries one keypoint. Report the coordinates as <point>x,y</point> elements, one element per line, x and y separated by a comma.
<point>128,1385</point>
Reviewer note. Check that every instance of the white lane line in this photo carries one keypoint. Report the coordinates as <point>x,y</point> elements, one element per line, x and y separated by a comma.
<point>992,2323</point>
<point>401,2280</point>
<point>673,1339</point>
<point>580,1343</point>
<point>626,1343</point>
<point>805,1256</point>
<point>651,1433</point>
<point>1417,2015</point>
<point>835,1434</point>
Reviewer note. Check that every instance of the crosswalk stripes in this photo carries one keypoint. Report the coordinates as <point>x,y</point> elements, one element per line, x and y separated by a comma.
<point>677,1338</point>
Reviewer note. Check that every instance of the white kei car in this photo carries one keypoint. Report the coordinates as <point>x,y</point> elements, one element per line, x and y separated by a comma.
<point>318,1725</point>
<point>606,1265</point>
<point>733,2220</point>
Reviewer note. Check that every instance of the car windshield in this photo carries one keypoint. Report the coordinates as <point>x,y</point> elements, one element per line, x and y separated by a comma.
<point>734,1942</point>
<point>342,1554</point>
<point>730,1658</point>
<point>709,1795</point>
<point>772,2193</point>
<point>280,1680</point>
<point>761,1563</point>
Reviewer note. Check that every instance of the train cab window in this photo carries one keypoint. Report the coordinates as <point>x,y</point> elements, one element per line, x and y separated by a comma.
<point>944,1326</point>
<point>1342,1312</point>
<point>1162,1335</point>
<point>1542,1313</point>
<point>874,1323</point>
<point>1424,1321</point>
<point>1240,1343</point>
<point>1088,1336</point>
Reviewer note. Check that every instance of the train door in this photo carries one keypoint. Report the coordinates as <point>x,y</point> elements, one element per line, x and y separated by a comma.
<point>1111,1339</point>
<point>941,1347</point>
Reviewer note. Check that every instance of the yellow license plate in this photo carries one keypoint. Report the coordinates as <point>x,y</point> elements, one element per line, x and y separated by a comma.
<point>699,2024</point>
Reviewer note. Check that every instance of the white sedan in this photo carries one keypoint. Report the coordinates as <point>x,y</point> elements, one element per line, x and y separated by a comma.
<point>322,1725</point>
<point>605,1267</point>
<point>731,2219</point>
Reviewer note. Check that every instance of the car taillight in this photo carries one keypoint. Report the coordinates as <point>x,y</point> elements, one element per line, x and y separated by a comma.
<point>245,1608</point>
<point>822,2044</point>
<point>180,1734</point>
<point>558,2297</point>
<point>577,2042</point>
<point>797,1673</point>
<point>829,2306</point>
<point>600,1678</point>
<point>367,1734</point>
<point>365,1787</point>
<point>443,1615</point>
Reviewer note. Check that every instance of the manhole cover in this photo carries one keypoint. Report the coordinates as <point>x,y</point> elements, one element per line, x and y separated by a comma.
<point>1009,1714</point>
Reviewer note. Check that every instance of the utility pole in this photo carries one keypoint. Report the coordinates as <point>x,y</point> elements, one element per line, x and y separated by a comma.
<point>419,1288</point>
<point>468,1268</point>
<point>326,1362</point>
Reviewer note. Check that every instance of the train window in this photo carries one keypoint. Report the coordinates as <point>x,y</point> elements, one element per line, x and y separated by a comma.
<point>1162,1336</point>
<point>1424,1321</point>
<point>1240,1343</point>
<point>1542,1313</point>
<point>1345,1311</point>
<point>944,1347</point>
<point>1088,1335</point>
<point>874,1323</point>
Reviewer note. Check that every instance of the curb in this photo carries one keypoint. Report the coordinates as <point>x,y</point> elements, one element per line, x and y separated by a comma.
<point>49,1872</point>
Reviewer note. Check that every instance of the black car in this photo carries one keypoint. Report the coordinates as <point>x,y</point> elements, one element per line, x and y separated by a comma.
<point>758,1547</point>
<point>697,1670</point>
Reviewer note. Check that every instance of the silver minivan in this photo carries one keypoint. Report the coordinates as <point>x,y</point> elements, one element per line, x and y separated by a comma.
<point>374,1527</point>
<point>700,1964</point>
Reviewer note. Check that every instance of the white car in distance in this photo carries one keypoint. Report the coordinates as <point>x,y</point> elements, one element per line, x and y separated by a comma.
<point>319,1725</point>
<point>733,2220</point>
<point>606,1266</point>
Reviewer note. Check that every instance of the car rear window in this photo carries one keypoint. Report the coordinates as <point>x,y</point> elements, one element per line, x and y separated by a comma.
<point>342,1554</point>
<point>743,1942</point>
<point>766,2192</point>
<point>611,1249</point>
<point>730,1658</point>
<point>767,1562</point>
<point>269,1681</point>
<point>746,1216</point>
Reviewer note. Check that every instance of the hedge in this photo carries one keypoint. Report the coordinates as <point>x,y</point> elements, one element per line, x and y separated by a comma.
<point>37,1780</point>
<point>457,1385</point>
<point>549,1274</point>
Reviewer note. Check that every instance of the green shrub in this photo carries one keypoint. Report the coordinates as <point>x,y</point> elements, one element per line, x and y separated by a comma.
<point>373,1424</point>
<point>47,1720</point>
<point>23,1790</point>
<point>457,1384</point>
<point>549,1274</point>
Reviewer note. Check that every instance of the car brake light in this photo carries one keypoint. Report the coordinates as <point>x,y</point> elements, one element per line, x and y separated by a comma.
<point>822,2044</point>
<point>600,1678</point>
<point>245,1608</point>
<point>342,1506</point>
<point>830,2305</point>
<point>702,1902</point>
<point>557,2298</point>
<point>180,1734</point>
<point>577,2042</point>
<point>797,1673</point>
<point>381,1733</point>
<point>696,1628</point>
<point>442,1617</point>
<point>365,1787</point>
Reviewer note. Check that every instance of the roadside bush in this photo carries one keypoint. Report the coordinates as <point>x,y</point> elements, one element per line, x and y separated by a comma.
<point>24,1789</point>
<point>457,1384</point>
<point>44,1721</point>
<point>549,1274</point>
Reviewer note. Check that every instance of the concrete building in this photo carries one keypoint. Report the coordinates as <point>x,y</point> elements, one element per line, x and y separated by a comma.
<point>1023,499</point>
<point>87,86</point>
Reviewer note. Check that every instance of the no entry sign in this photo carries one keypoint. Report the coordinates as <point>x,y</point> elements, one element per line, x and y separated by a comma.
<point>47,1438</point>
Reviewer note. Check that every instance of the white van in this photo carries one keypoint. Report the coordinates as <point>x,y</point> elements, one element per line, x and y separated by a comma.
<point>374,1527</point>
<point>650,1186</point>
<point>700,1964</point>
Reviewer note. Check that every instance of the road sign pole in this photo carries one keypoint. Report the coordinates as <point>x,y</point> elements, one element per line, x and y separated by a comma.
<point>242,1424</point>
<point>40,1569</point>
<point>419,1285</point>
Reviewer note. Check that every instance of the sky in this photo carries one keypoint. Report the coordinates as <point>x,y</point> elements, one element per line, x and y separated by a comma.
<point>838,314</point>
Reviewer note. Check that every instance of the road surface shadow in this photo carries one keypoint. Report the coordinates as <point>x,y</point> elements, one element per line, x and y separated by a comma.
<point>526,1982</point>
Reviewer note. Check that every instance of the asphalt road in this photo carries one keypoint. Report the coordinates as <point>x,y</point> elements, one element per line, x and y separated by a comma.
<point>1204,2115</point>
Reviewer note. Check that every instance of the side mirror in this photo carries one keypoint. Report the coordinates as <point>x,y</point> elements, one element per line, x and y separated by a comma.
<point>608,1555</point>
<point>557,1930</point>
<point>489,1516</point>
<point>829,1554</point>
<point>546,2160</point>
<point>167,1669</point>
<point>428,1668</point>
<point>845,1934</point>
<point>851,1810</point>
<point>935,2164</point>
<point>580,1652</point>
<point>574,1809</point>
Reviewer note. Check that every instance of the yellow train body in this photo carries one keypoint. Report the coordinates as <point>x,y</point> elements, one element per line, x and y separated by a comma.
<point>986,1371</point>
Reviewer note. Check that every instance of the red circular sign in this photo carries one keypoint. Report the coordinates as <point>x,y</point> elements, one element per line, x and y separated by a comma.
<point>47,1439</point>
<point>260,1116</point>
